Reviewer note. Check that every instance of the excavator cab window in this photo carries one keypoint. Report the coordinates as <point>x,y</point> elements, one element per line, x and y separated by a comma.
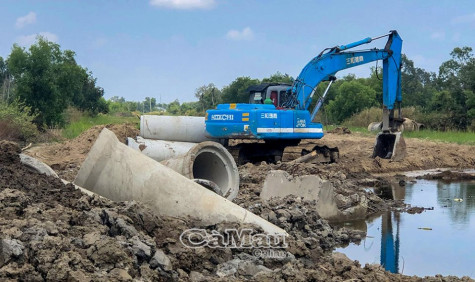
<point>274,98</point>
<point>281,95</point>
<point>256,98</point>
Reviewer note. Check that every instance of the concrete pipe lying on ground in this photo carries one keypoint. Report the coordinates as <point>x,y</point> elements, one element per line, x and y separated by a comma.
<point>42,168</point>
<point>120,173</point>
<point>208,161</point>
<point>375,126</point>
<point>173,128</point>
<point>160,150</point>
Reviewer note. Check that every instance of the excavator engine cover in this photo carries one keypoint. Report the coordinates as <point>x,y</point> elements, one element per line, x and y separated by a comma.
<point>390,146</point>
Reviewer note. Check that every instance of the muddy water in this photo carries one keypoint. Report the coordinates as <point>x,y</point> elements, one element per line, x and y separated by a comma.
<point>438,241</point>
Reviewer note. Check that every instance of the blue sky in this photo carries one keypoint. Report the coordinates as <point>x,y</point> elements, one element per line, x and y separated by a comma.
<point>169,48</point>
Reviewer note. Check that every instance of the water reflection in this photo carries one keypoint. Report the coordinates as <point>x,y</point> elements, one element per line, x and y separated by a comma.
<point>459,211</point>
<point>436,241</point>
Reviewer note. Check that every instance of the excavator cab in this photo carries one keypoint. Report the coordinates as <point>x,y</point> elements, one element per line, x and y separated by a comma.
<point>273,92</point>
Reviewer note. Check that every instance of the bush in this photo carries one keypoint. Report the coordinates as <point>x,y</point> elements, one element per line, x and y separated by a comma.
<point>375,114</point>
<point>16,122</point>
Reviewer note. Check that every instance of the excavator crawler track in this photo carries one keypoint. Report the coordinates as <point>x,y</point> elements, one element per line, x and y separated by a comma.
<point>246,152</point>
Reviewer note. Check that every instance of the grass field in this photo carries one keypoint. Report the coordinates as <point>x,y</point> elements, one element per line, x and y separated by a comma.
<point>85,122</point>
<point>73,129</point>
<point>459,137</point>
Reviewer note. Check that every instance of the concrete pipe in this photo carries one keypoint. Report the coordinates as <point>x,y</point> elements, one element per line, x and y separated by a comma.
<point>375,126</point>
<point>160,150</point>
<point>42,168</point>
<point>208,161</point>
<point>173,128</point>
<point>37,165</point>
<point>120,173</point>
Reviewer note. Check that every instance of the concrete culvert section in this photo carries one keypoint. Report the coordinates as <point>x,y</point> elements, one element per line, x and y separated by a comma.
<point>173,128</point>
<point>210,166</point>
<point>210,161</point>
<point>120,173</point>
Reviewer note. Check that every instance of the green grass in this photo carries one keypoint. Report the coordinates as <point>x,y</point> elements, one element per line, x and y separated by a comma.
<point>459,137</point>
<point>73,129</point>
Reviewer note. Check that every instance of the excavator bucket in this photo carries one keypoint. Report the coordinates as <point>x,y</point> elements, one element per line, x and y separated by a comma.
<point>390,146</point>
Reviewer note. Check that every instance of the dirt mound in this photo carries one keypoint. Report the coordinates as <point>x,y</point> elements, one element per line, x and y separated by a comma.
<point>66,158</point>
<point>340,130</point>
<point>449,176</point>
<point>356,150</point>
<point>51,231</point>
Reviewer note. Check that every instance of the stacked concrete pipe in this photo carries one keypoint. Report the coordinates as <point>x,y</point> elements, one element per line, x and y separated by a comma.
<point>180,143</point>
<point>173,128</point>
<point>121,173</point>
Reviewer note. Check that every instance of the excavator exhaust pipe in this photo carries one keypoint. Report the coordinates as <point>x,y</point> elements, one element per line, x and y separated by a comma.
<point>390,146</point>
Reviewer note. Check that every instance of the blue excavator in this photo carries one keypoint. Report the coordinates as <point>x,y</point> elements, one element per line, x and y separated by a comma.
<point>278,114</point>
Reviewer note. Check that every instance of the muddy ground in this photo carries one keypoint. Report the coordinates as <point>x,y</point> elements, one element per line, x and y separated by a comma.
<point>50,231</point>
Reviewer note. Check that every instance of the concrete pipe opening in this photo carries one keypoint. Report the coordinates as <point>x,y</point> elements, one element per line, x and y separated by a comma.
<point>211,161</point>
<point>210,166</point>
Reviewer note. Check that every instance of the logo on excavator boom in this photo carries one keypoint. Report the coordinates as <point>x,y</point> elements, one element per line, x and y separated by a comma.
<point>354,60</point>
<point>222,117</point>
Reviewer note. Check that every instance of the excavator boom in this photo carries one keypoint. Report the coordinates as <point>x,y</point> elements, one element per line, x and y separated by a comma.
<point>286,117</point>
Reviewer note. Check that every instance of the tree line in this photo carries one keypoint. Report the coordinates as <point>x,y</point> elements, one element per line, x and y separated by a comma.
<point>443,100</point>
<point>47,80</point>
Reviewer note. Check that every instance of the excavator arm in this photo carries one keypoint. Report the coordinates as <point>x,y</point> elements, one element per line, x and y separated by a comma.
<point>324,67</point>
<point>331,60</point>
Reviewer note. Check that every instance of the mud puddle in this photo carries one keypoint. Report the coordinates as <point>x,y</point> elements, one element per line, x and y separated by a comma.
<point>435,241</point>
<point>419,173</point>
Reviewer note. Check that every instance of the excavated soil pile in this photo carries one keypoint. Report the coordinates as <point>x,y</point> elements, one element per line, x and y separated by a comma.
<point>51,231</point>
<point>449,176</point>
<point>348,188</point>
<point>66,158</point>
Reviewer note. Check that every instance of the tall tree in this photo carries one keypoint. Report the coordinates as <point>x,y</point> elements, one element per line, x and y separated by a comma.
<point>278,77</point>
<point>48,80</point>
<point>208,97</point>
<point>352,98</point>
<point>236,91</point>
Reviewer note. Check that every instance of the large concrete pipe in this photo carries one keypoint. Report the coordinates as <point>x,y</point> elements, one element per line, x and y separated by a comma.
<point>160,150</point>
<point>42,168</point>
<point>207,160</point>
<point>173,128</point>
<point>375,126</point>
<point>120,173</point>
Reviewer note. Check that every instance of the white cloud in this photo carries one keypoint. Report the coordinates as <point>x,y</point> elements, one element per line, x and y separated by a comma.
<point>245,34</point>
<point>183,4</point>
<point>465,19</point>
<point>27,40</point>
<point>25,20</point>
<point>438,35</point>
